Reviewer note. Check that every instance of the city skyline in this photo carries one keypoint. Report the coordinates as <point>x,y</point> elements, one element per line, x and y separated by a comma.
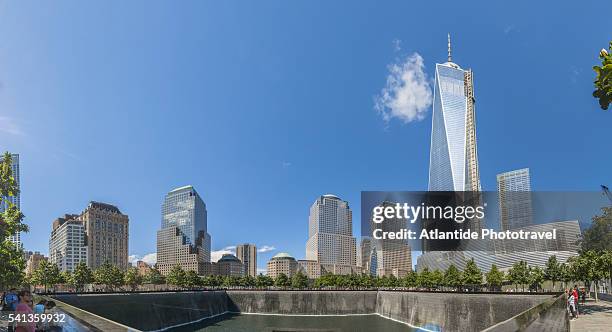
<point>254,135</point>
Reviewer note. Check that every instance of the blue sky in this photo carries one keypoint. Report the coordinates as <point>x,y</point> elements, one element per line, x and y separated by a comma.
<point>263,106</point>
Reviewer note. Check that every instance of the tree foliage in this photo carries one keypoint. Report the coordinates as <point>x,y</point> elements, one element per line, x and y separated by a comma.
<point>282,280</point>
<point>108,275</point>
<point>603,78</point>
<point>47,274</point>
<point>552,271</point>
<point>598,236</point>
<point>519,274</point>
<point>452,277</point>
<point>132,278</point>
<point>495,278</point>
<point>12,262</point>
<point>153,276</point>
<point>81,276</point>
<point>472,276</point>
<point>176,276</point>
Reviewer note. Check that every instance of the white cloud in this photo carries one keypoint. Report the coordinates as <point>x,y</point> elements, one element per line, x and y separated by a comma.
<point>264,249</point>
<point>397,45</point>
<point>510,28</point>
<point>262,271</point>
<point>150,259</point>
<point>9,126</point>
<point>217,254</point>
<point>407,93</point>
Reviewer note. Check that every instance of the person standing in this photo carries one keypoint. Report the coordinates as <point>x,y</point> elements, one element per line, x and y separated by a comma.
<point>576,298</point>
<point>571,303</point>
<point>25,300</point>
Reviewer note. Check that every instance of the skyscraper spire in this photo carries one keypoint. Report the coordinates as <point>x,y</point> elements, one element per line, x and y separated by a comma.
<point>449,49</point>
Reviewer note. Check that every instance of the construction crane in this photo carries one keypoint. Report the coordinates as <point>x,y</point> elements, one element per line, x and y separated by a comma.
<point>606,192</point>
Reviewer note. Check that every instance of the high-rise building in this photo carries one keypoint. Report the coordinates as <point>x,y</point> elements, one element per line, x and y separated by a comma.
<point>183,239</point>
<point>33,262</point>
<point>453,159</point>
<point>67,244</point>
<point>16,199</point>
<point>390,256</point>
<point>514,196</point>
<point>247,254</point>
<point>453,163</point>
<point>107,234</point>
<point>330,232</point>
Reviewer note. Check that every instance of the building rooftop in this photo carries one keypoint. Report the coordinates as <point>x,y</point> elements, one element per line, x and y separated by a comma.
<point>282,255</point>
<point>103,206</point>
<point>187,187</point>
<point>228,258</point>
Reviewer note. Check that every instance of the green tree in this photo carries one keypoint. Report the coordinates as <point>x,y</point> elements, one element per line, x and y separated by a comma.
<point>472,276</point>
<point>425,279</point>
<point>211,281</point>
<point>12,262</point>
<point>519,274</point>
<point>264,281</point>
<point>299,281</point>
<point>153,276</point>
<point>410,280</point>
<point>603,79</point>
<point>282,280</point>
<point>565,274</point>
<point>81,276</point>
<point>437,278</point>
<point>598,236</point>
<point>552,270</point>
<point>177,276</point>
<point>132,278</point>
<point>192,279</point>
<point>108,275</point>
<point>495,278</point>
<point>536,277</point>
<point>67,278</point>
<point>452,277</point>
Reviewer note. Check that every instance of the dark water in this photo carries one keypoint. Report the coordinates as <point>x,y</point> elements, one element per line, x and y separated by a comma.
<point>273,323</point>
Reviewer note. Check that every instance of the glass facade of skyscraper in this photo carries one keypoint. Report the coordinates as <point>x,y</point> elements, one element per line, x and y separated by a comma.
<point>453,121</point>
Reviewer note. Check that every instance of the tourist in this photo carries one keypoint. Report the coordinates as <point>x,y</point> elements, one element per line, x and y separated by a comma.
<point>583,296</point>
<point>576,298</point>
<point>40,307</point>
<point>11,300</point>
<point>571,303</point>
<point>25,298</point>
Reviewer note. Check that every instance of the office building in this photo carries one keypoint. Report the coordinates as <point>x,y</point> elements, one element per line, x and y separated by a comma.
<point>247,254</point>
<point>67,244</point>
<point>392,256</point>
<point>504,253</point>
<point>183,238</point>
<point>282,263</point>
<point>143,268</point>
<point>229,265</point>
<point>453,163</point>
<point>330,232</point>
<point>514,196</point>
<point>33,262</point>
<point>16,199</point>
<point>107,234</point>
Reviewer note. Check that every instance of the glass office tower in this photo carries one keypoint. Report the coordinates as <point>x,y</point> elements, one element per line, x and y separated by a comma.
<point>453,164</point>
<point>184,209</point>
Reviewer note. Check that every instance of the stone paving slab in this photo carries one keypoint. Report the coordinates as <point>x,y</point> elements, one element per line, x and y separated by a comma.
<point>593,316</point>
